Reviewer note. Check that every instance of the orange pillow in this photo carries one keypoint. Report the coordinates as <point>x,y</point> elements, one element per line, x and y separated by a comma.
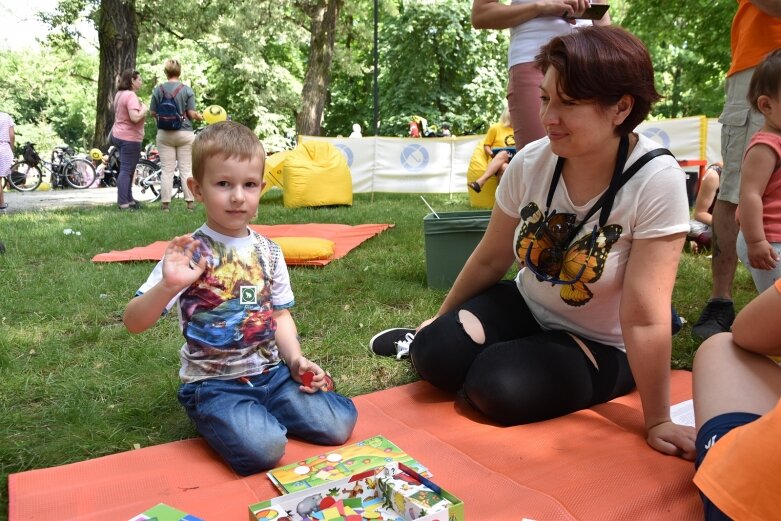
<point>305,248</point>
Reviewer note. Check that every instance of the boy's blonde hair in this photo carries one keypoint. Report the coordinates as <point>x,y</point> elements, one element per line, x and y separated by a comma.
<point>766,79</point>
<point>226,139</point>
<point>172,68</point>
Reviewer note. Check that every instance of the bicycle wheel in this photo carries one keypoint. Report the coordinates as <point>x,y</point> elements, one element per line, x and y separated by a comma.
<point>24,178</point>
<point>146,181</point>
<point>80,173</point>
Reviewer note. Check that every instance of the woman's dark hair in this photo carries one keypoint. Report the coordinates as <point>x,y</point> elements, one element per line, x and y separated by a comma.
<point>126,79</point>
<point>766,79</point>
<point>602,64</point>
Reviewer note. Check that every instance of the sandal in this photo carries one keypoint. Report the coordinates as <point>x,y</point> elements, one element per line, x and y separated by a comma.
<point>3,206</point>
<point>165,207</point>
<point>190,206</point>
<point>474,185</point>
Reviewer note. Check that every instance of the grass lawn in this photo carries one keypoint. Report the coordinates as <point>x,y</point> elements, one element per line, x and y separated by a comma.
<point>75,385</point>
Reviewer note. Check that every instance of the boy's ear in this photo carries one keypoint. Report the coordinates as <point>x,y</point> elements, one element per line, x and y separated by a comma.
<point>195,188</point>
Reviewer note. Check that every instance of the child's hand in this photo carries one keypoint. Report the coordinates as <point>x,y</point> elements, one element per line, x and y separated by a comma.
<point>762,256</point>
<point>183,263</point>
<point>311,377</point>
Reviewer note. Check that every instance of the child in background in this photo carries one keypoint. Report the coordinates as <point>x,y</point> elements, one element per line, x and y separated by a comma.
<point>737,406</point>
<point>245,383</point>
<point>499,135</point>
<point>759,207</point>
<point>700,231</point>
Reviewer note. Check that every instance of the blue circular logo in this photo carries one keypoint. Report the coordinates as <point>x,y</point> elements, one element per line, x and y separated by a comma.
<point>414,158</point>
<point>658,135</point>
<point>347,153</point>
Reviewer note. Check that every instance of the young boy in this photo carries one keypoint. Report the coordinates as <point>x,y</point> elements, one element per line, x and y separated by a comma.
<point>245,383</point>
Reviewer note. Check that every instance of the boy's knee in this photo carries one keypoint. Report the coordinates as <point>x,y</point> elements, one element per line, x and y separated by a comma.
<point>337,428</point>
<point>257,454</point>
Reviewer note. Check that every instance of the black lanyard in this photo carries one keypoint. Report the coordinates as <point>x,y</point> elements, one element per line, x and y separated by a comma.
<point>605,203</point>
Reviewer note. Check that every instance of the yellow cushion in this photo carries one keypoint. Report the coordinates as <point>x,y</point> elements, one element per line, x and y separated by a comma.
<point>316,174</point>
<point>305,248</point>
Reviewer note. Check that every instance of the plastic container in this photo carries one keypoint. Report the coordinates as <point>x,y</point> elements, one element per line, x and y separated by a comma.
<point>449,241</point>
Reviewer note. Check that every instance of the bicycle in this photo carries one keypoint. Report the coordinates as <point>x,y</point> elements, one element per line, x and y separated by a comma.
<point>148,179</point>
<point>63,169</point>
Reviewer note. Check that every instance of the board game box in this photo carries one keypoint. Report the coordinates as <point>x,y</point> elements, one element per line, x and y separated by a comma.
<point>341,463</point>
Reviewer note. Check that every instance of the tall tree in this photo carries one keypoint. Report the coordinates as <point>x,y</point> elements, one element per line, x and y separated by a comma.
<point>118,38</point>
<point>323,16</point>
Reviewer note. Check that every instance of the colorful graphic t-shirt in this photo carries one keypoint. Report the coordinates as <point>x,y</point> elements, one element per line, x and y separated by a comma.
<point>652,204</point>
<point>226,315</point>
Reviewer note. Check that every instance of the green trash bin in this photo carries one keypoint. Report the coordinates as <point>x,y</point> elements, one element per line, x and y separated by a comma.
<point>449,241</point>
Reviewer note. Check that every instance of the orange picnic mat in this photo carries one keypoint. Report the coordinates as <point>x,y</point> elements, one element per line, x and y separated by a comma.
<point>590,465</point>
<point>344,236</point>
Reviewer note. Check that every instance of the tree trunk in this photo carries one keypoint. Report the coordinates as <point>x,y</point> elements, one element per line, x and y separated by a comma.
<point>324,15</point>
<point>118,38</point>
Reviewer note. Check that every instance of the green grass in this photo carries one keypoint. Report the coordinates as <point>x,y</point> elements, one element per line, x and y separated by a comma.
<point>75,385</point>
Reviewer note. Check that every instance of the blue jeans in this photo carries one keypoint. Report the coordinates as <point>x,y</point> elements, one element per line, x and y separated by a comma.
<point>129,154</point>
<point>248,424</point>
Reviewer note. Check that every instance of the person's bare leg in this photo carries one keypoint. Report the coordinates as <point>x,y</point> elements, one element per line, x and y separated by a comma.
<point>494,167</point>
<point>719,312</point>
<point>725,258</point>
<point>728,379</point>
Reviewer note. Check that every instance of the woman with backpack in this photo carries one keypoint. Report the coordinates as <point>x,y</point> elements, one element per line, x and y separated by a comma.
<point>173,106</point>
<point>127,134</point>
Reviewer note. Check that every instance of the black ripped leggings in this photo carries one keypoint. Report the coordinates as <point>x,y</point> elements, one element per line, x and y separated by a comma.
<point>521,374</point>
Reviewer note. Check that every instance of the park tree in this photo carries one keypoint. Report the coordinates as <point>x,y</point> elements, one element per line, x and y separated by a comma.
<point>118,38</point>
<point>323,15</point>
<point>689,44</point>
<point>435,65</point>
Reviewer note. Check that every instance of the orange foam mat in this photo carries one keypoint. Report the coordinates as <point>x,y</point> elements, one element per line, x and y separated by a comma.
<point>344,236</point>
<point>589,465</point>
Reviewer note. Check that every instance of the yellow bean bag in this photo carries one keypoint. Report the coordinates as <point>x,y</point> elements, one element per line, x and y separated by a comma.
<point>477,166</point>
<point>273,171</point>
<point>305,248</point>
<point>316,174</point>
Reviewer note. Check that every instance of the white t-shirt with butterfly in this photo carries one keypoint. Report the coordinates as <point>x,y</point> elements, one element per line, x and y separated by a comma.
<point>652,204</point>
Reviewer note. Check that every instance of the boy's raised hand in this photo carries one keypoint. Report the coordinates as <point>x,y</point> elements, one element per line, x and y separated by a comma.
<point>183,263</point>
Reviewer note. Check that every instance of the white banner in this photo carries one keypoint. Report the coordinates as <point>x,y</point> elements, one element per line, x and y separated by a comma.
<point>439,165</point>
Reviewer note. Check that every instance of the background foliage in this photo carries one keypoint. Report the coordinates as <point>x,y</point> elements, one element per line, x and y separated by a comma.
<point>250,57</point>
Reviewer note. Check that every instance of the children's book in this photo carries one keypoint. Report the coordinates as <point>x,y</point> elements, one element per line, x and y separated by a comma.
<point>163,512</point>
<point>341,463</point>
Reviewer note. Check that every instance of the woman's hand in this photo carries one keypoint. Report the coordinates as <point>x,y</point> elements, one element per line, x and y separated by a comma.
<point>562,8</point>
<point>673,439</point>
<point>761,255</point>
<point>183,262</point>
<point>298,371</point>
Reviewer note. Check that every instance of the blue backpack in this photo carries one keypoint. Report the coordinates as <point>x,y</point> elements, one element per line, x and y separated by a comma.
<point>168,115</point>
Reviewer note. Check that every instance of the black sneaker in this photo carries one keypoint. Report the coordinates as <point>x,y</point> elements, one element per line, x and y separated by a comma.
<point>717,317</point>
<point>392,342</point>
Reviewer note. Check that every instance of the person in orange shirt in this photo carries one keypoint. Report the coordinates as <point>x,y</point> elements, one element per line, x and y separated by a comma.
<point>756,31</point>
<point>737,406</point>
